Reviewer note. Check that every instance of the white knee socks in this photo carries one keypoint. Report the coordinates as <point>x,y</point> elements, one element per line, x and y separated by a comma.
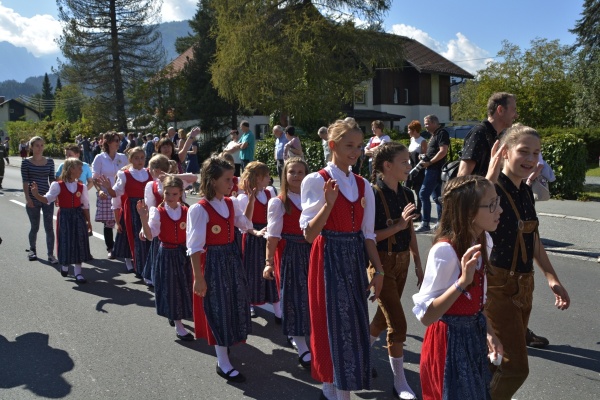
<point>77,269</point>
<point>277,309</point>
<point>129,264</point>
<point>400,383</point>
<point>329,391</point>
<point>302,347</point>
<point>342,394</point>
<point>223,360</point>
<point>180,329</point>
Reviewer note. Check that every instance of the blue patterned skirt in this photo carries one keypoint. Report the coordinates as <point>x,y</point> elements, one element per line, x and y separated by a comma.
<point>72,234</point>
<point>140,247</point>
<point>121,247</point>
<point>293,268</point>
<point>261,290</point>
<point>150,266</point>
<point>226,304</point>
<point>345,266</point>
<point>466,372</point>
<point>173,283</point>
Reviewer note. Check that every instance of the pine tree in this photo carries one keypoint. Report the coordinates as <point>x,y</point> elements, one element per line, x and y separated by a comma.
<point>47,96</point>
<point>587,29</point>
<point>58,85</point>
<point>109,44</point>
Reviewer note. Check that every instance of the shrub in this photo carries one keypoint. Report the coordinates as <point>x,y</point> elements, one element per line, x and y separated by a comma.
<point>313,153</point>
<point>566,154</point>
<point>590,136</point>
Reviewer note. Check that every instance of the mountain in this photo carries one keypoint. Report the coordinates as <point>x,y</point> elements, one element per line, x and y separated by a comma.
<point>18,65</point>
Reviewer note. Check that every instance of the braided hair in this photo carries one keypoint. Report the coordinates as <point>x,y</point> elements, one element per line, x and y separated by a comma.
<point>382,153</point>
<point>461,199</point>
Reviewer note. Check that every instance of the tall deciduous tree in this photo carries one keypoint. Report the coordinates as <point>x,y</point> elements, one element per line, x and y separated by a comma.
<point>298,57</point>
<point>539,77</point>
<point>109,44</point>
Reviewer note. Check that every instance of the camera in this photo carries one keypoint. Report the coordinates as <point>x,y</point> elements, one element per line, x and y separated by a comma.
<point>415,171</point>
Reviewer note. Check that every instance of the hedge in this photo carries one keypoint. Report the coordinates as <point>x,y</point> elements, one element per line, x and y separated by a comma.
<point>590,136</point>
<point>313,153</point>
<point>566,154</point>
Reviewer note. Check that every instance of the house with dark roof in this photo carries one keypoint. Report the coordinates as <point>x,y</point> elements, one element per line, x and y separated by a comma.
<point>15,110</point>
<point>398,96</point>
<point>394,96</point>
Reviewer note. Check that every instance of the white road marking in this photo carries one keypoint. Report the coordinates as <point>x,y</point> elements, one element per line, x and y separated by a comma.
<point>95,234</point>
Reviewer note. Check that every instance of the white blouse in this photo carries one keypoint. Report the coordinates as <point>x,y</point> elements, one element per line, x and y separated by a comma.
<point>104,165</point>
<point>139,175</point>
<point>313,197</point>
<point>149,198</point>
<point>197,219</point>
<point>154,217</point>
<point>442,270</point>
<point>415,144</point>
<point>52,193</point>
<point>275,213</point>
<point>260,197</point>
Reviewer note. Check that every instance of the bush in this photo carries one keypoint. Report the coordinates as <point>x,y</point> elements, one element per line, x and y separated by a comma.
<point>313,153</point>
<point>590,136</point>
<point>566,154</point>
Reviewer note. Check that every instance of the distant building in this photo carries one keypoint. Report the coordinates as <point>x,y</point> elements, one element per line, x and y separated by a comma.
<point>14,110</point>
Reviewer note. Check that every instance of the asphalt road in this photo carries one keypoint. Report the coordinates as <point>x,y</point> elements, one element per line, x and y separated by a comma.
<point>104,340</point>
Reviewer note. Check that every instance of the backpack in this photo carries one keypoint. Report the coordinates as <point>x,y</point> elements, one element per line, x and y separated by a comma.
<point>450,170</point>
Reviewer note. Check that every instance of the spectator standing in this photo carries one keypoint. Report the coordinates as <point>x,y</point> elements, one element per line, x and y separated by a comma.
<point>502,112</point>
<point>417,146</point>
<point>280,141</point>
<point>7,149</point>
<point>233,148</point>
<point>73,151</point>
<point>3,156</point>
<point>433,160</point>
<point>378,138</point>
<point>23,149</point>
<point>123,144</point>
<point>38,169</point>
<point>193,166</point>
<point>293,147</point>
<point>149,148</point>
<point>247,144</point>
<point>172,135</point>
<point>325,143</point>
<point>87,150</point>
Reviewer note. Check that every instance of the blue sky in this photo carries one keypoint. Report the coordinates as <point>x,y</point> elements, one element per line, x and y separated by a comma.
<point>468,32</point>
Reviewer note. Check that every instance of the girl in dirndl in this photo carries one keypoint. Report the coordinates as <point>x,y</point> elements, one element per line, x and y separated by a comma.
<point>173,271</point>
<point>221,314</point>
<point>338,213</point>
<point>107,164</point>
<point>73,224</point>
<point>127,190</point>
<point>255,178</point>
<point>454,356</point>
<point>288,254</point>
<point>159,168</point>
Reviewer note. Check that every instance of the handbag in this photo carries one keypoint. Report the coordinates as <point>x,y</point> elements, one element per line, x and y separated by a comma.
<point>541,189</point>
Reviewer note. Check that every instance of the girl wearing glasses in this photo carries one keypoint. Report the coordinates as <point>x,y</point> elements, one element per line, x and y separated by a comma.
<point>517,244</point>
<point>450,303</point>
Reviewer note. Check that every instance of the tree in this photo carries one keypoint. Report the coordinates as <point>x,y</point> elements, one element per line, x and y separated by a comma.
<point>587,30</point>
<point>539,77</point>
<point>58,85</point>
<point>291,56</point>
<point>109,44</point>
<point>68,104</point>
<point>47,96</point>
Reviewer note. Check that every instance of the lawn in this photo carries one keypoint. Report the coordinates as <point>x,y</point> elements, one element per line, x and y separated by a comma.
<point>595,171</point>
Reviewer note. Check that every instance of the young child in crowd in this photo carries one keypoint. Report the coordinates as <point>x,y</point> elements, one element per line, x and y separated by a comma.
<point>338,215</point>
<point>173,271</point>
<point>127,190</point>
<point>517,244</point>
<point>255,179</point>
<point>73,223</point>
<point>454,357</point>
<point>287,256</point>
<point>396,240</point>
<point>73,151</point>
<point>220,316</point>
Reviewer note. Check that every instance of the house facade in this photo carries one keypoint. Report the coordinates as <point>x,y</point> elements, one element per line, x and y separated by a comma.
<point>14,110</point>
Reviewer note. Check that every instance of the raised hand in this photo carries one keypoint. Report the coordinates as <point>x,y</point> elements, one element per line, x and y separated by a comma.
<point>468,264</point>
<point>407,215</point>
<point>495,161</point>
<point>103,182</point>
<point>142,209</point>
<point>331,190</point>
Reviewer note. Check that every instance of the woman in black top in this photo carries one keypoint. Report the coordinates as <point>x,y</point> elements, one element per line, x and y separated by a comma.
<point>38,169</point>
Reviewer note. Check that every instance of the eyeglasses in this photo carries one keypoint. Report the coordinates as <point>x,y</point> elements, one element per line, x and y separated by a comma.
<point>493,205</point>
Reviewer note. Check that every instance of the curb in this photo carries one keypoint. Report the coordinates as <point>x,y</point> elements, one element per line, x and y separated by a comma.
<point>568,217</point>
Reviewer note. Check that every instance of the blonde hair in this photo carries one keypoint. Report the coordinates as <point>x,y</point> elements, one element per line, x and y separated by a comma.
<point>284,182</point>
<point>69,164</point>
<point>513,134</point>
<point>158,161</point>
<point>228,157</point>
<point>173,167</point>
<point>341,127</point>
<point>252,172</point>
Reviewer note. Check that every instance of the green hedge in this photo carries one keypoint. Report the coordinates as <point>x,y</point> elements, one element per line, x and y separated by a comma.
<point>313,152</point>
<point>590,136</point>
<point>566,154</point>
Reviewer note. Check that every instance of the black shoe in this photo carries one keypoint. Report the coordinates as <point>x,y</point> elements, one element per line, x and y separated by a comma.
<point>536,341</point>
<point>64,273</point>
<point>238,378</point>
<point>188,337</point>
<point>277,320</point>
<point>31,255</point>
<point>304,363</point>
<point>253,313</point>
<point>171,322</point>
<point>290,341</point>
<point>80,279</point>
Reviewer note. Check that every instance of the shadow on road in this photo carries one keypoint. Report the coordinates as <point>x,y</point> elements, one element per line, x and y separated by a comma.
<point>29,361</point>
<point>569,355</point>
<point>104,281</point>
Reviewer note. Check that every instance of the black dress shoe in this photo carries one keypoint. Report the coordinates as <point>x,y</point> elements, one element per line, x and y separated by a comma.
<point>238,378</point>
<point>64,273</point>
<point>536,341</point>
<point>304,363</point>
<point>253,313</point>
<point>290,341</point>
<point>171,322</point>
<point>188,337</point>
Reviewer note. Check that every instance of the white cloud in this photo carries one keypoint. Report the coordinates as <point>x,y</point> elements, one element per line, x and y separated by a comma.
<point>178,10</point>
<point>36,34</point>
<point>459,50</point>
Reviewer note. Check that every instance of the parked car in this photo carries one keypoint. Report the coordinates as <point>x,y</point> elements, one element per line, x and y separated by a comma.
<point>458,131</point>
